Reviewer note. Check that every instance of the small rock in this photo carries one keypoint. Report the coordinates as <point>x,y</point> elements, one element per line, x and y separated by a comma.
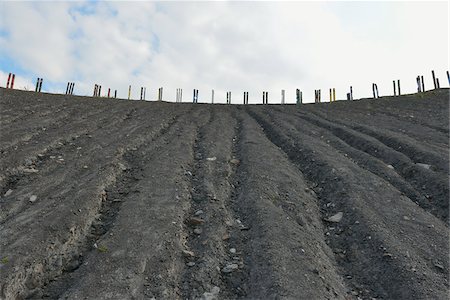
<point>235,161</point>
<point>425,166</point>
<point>335,218</point>
<point>198,212</point>
<point>30,170</point>
<point>198,231</point>
<point>213,295</point>
<point>406,218</point>
<point>232,250</point>
<point>188,253</point>
<point>225,237</point>
<point>122,166</point>
<point>211,158</point>
<point>28,162</point>
<point>188,173</point>
<point>230,268</point>
<point>390,167</point>
<point>33,198</point>
<point>195,221</point>
<point>190,264</point>
<point>439,266</point>
<point>8,192</point>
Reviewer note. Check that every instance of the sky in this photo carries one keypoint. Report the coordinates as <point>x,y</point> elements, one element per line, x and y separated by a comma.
<point>225,46</point>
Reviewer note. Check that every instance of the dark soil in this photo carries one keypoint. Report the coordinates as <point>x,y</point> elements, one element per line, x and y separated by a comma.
<point>115,199</point>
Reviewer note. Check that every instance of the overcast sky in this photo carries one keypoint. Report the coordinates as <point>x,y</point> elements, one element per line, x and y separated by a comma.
<point>225,46</point>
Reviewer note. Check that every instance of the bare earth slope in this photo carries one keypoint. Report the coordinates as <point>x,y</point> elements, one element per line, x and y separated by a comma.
<point>115,199</point>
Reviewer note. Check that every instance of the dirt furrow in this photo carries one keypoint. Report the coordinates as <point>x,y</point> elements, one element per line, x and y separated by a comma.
<point>283,254</point>
<point>142,254</point>
<point>428,189</point>
<point>68,224</point>
<point>373,241</point>
<point>206,222</point>
<point>401,143</point>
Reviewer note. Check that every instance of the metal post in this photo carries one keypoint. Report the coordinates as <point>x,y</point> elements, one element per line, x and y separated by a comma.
<point>115,94</point>
<point>437,83</point>
<point>95,91</point>
<point>423,84</point>
<point>72,88</point>
<point>40,85</point>
<point>212,96</point>
<point>334,94</point>
<point>67,88</point>
<point>398,87</point>
<point>109,91</point>
<point>282,96</point>
<point>351,93</point>
<point>373,89</point>
<point>448,78</point>
<point>395,90</point>
<point>418,84</point>
<point>37,84</point>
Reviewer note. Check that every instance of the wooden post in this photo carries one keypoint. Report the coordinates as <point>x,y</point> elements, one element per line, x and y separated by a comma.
<point>334,94</point>
<point>398,87</point>
<point>437,83</point>
<point>67,88</point>
<point>109,91</point>
<point>373,90</point>
<point>434,79</point>
<point>12,80</point>
<point>418,84</point>
<point>351,93</point>
<point>115,94</point>
<point>282,96</point>
<point>212,96</point>
<point>9,79</point>
<point>129,92</point>
<point>142,91</point>
<point>423,83</point>
<point>37,84</point>
<point>40,85</point>
<point>95,91</point>
<point>395,90</point>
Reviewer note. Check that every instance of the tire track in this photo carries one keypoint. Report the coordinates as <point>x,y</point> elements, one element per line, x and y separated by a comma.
<point>372,243</point>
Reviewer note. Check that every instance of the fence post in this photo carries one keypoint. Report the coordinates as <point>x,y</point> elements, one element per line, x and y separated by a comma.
<point>109,90</point>
<point>67,88</point>
<point>418,83</point>
<point>282,96</point>
<point>437,83</point>
<point>212,96</point>
<point>351,93</point>
<point>37,84</point>
<point>115,94</point>
<point>334,94</point>
<point>448,78</point>
<point>395,90</point>
<point>9,79</point>
<point>129,92</point>
<point>434,79</point>
<point>72,88</point>
<point>12,80</point>
<point>398,87</point>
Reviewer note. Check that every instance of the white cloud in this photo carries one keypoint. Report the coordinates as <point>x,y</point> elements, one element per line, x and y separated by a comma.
<point>236,46</point>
